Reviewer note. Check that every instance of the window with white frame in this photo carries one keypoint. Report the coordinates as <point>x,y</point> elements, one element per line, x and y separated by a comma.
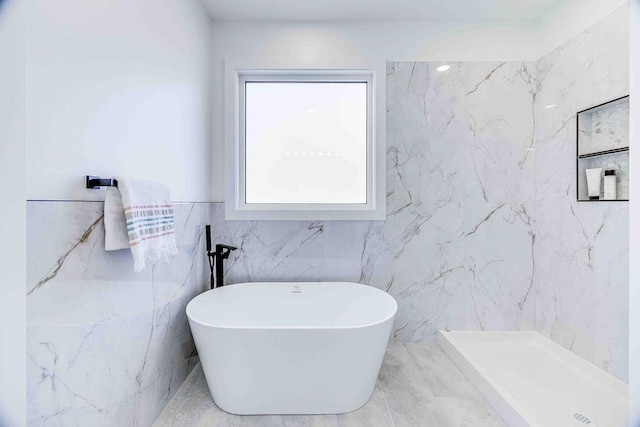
<point>302,145</point>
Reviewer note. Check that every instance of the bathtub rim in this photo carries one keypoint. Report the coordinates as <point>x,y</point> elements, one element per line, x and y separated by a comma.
<point>295,328</point>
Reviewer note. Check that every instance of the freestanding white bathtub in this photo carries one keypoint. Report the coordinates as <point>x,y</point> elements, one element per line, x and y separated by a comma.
<point>291,348</point>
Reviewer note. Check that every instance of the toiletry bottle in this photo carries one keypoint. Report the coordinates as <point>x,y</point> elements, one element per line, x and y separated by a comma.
<point>594,180</point>
<point>610,184</point>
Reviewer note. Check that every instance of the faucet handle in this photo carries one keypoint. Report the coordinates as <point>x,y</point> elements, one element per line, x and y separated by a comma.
<point>224,250</point>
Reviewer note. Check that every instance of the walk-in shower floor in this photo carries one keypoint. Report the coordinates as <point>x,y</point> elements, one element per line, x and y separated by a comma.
<point>418,386</point>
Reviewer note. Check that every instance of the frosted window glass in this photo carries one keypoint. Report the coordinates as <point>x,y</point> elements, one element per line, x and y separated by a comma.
<point>306,142</point>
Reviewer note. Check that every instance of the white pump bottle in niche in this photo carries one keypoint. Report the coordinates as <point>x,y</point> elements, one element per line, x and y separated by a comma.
<point>610,184</point>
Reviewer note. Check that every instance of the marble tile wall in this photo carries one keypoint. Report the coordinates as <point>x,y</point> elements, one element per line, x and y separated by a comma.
<point>106,346</point>
<point>461,193</point>
<point>581,249</point>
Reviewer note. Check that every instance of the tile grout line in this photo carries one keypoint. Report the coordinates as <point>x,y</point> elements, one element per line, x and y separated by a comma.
<point>386,403</point>
<point>193,384</point>
<point>420,371</point>
<point>186,396</point>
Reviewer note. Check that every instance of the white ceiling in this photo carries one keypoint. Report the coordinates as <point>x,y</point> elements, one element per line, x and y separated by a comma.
<point>380,10</point>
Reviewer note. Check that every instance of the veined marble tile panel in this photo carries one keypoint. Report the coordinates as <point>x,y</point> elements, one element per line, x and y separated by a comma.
<point>581,249</point>
<point>499,265</point>
<point>106,346</point>
<point>460,154</point>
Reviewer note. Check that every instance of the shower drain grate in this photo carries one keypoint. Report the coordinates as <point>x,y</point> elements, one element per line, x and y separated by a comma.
<point>582,419</point>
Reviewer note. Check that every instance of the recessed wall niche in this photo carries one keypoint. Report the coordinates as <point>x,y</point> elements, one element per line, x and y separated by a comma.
<point>603,147</point>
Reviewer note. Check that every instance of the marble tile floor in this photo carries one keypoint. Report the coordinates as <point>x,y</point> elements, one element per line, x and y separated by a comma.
<point>418,386</point>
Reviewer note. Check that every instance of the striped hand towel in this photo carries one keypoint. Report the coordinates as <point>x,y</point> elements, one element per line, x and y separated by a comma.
<point>149,214</point>
<point>115,223</point>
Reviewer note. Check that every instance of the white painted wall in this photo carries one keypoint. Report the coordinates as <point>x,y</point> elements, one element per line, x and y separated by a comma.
<point>634,215</point>
<point>118,87</point>
<point>13,213</point>
<point>569,18</point>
